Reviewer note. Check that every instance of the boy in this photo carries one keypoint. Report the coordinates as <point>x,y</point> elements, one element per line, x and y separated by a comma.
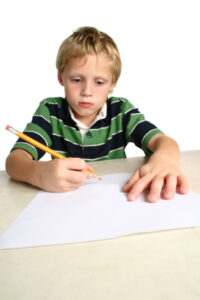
<point>86,125</point>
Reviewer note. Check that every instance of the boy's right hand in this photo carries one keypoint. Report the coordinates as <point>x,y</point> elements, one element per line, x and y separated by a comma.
<point>62,175</point>
<point>57,175</point>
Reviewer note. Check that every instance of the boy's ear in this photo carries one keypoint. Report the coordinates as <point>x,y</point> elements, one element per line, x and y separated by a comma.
<point>60,78</point>
<point>112,87</point>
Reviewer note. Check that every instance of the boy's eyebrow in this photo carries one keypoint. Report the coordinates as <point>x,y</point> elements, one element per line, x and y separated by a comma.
<point>81,75</point>
<point>102,78</point>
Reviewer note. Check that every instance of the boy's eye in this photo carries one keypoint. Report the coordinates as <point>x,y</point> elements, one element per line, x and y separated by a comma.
<point>76,79</point>
<point>99,82</point>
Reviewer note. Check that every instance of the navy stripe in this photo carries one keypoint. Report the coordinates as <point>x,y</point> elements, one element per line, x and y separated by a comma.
<point>140,131</point>
<point>62,113</point>
<point>96,152</point>
<point>40,121</point>
<point>126,117</point>
<point>88,152</point>
<point>113,109</point>
<point>59,144</point>
<point>36,137</point>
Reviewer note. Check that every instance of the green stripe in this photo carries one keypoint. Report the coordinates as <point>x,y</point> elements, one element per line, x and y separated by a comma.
<point>69,133</point>
<point>43,111</point>
<point>146,140</point>
<point>58,101</point>
<point>27,147</point>
<point>114,154</point>
<point>134,120</point>
<point>38,130</point>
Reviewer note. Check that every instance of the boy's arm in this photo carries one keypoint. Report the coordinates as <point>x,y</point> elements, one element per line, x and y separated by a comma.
<point>57,175</point>
<point>161,170</point>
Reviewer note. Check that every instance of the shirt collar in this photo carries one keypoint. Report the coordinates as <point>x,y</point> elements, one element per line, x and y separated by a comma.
<point>101,115</point>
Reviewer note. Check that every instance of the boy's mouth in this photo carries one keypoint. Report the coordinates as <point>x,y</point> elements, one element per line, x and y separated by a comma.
<point>85,104</point>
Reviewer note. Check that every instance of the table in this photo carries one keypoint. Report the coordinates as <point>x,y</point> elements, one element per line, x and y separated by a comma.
<point>160,265</point>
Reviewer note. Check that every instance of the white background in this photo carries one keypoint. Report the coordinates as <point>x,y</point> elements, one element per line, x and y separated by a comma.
<point>159,43</point>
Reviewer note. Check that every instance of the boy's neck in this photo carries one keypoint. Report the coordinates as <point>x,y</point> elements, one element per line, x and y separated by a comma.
<point>86,122</point>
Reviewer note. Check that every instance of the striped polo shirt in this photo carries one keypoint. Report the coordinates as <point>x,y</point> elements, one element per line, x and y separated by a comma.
<point>53,126</point>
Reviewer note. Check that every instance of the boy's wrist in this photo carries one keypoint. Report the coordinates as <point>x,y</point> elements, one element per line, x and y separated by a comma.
<point>161,155</point>
<point>165,148</point>
<point>37,172</point>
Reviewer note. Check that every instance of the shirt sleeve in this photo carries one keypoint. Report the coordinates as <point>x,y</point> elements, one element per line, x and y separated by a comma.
<point>137,129</point>
<point>39,129</point>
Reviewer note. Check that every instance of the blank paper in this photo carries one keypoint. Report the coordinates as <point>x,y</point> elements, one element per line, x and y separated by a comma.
<point>95,211</point>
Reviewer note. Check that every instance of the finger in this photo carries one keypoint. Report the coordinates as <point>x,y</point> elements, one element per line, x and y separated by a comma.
<point>67,187</point>
<point>88,173</point>
<point>75,178</point>
<point>170,187</point>
<point>131,182</point>
<point>78,164</point>
<point>75,164</point>
<point>139,187</point>
<point>155,189</point>
<point>183,184</point>
<point>89,167</point>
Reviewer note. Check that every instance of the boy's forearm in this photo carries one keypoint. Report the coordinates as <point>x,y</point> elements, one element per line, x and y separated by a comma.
<point>165,146</point>
<point>57,175</point>
<point>21,167</point>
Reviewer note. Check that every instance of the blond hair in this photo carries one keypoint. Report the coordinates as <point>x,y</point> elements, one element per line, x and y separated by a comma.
<point>89,40</point>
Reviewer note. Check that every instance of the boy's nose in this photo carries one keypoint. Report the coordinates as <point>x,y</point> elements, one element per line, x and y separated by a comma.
<point>86,89</point>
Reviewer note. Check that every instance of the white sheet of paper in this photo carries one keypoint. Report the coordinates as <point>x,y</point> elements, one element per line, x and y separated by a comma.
<point>97,210</point>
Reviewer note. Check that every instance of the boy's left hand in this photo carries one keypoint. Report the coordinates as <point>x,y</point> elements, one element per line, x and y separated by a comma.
<point>159,172</point>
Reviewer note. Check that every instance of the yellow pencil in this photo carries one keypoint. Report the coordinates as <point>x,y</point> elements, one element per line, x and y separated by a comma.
<point>41,146</point>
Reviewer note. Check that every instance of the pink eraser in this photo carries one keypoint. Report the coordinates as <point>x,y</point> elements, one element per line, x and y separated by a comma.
<point>7,127</point>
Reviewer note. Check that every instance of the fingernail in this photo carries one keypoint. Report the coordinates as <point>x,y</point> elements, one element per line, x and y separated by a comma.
<point>132,198</point>
<point>153,198</point>
<point>169,195</point>
<point>184,190</point>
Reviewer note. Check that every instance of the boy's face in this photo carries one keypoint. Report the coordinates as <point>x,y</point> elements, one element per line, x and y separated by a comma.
<point>87,82</point>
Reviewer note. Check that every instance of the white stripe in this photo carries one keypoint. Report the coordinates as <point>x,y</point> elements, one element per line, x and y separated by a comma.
<point>94,159</point>
<point>128,110</point>
<point>148,133</point>
<point>118,100</point>
<point>96,145</point>
<point>137,125</point>
<point>42,118</point>
<point>54,134</point>
<point>106,156</point>
<point>116,149</point>
<point>95,129</point>
<point>65,152</point>
<point>116,116</point>
<point>31,131</point>
<point>60,120</point>
<point>52,103</point>
<point>133,114</point>
<point>18,143</point>
<point>114,134</point>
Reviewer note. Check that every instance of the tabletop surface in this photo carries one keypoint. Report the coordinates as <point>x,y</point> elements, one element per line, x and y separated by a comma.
<point>159,265</point>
